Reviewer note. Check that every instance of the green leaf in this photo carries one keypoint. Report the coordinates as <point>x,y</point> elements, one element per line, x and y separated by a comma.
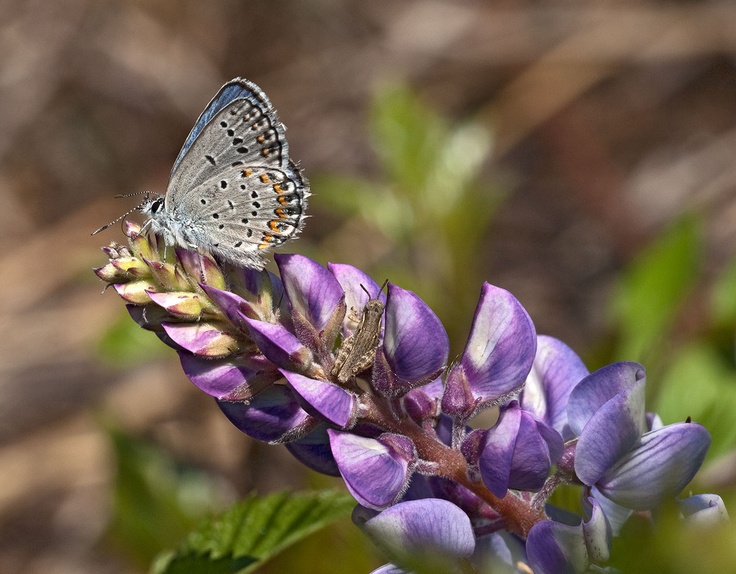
<point>408,137</point>
<point>464,150</point>
<point>723,296</point>
<point>385,210</point>
<point>125,343</point>
<point>254,530</point>
<point>653,288</point>
<point>156,501</point>
<point>700,384</point>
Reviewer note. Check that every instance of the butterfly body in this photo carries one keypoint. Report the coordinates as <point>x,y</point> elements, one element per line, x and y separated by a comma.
<point>233,191</point>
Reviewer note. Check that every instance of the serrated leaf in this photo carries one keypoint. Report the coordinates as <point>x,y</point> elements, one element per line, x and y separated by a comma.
<point>653,288</point>
<point>256,529</point>
<point>201,564</point>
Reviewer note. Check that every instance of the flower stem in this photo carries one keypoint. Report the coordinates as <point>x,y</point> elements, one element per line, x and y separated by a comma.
<point>518,515</point>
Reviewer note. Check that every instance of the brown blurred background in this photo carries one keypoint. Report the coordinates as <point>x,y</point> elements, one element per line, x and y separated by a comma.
<point>609,119</point>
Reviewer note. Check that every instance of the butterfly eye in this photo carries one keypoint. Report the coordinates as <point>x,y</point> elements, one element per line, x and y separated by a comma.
<point>157,204</point>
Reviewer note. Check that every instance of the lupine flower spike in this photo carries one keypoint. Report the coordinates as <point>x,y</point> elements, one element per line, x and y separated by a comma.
<point>355,379</point>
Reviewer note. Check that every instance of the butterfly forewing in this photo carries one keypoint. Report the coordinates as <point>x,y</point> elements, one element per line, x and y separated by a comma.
<point>243,132</point>
<point>235,89</point>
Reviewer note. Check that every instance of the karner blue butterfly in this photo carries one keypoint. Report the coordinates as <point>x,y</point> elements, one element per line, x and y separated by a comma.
<point>233,191</point>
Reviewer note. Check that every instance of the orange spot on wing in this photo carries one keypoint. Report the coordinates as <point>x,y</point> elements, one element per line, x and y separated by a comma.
<point>266,241</point>
<point>264,178</point>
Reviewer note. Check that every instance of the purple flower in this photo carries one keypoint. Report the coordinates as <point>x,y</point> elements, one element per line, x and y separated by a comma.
<point>518,452</point>
<point>272,416</point>
<point>555,373</point>
<point>356,384</point>
<point>553,547</point>
<point>497,358</point>
<point>418,526</point>
<point>631,465</point>
<point>703,509</point>
<point>415,344</point>
<point>376,471</point>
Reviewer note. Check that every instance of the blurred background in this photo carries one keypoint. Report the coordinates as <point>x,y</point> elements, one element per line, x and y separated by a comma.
<point>580,155</point>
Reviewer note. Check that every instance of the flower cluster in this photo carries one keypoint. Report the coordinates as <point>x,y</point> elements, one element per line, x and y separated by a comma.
<point>356,383</point>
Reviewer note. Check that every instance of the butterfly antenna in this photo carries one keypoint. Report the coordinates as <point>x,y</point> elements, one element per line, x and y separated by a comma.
<point>127,213</point>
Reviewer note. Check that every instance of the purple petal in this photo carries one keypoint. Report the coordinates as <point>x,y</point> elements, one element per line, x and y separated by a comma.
<point>272,416</point>
<point>203,339</point>
<point>501,347</point>
<point>131,228</point>
<point>415,342</point>
<point>233,306</point>
<point>420,526</point>
<point>149,317</point>
<point>597,388</point>
<point>485,518</point>
<point>498,452</point>
<point>616,515</point>
<point>312,290</point>
<point>596,531</point>
<point>458,400</point>
<point>422,403</point>
<point>351,279</point>
<point>262,291</point>
<point>554,548</point>
<point>331,402</point>
<point>389,569</point>
<point>554,441</point>
<point>375,473</point>
<point>610,433</point>
<point>537,448</point>
<point>313,450</point>
<point>555,372</point>
<point>278,345</point>
<point>518,452</point>
<point>227,379</point>
<point>704,510</point>
<point>257,282</point>
<point>660,466</point>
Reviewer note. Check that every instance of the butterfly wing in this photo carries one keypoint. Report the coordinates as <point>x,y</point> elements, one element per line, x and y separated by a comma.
<point>238,127</point>
<point>242,212</point>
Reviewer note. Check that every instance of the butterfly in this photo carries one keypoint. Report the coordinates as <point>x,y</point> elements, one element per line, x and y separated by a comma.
<point>233,190</point>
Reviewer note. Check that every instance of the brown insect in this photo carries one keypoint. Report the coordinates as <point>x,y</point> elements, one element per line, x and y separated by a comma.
<point>358,351</point>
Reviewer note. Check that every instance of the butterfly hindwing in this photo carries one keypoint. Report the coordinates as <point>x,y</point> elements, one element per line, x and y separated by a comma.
<point>243,211</point>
